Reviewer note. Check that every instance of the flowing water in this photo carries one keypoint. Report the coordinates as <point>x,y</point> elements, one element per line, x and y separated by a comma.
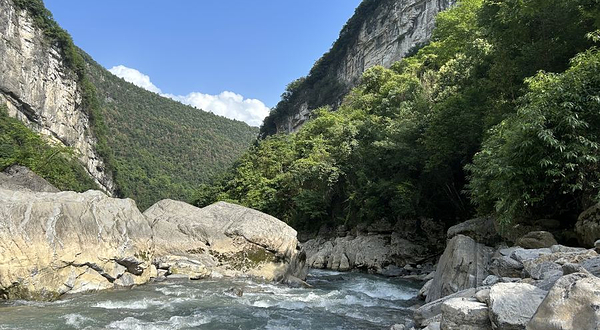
<point>336,301</point>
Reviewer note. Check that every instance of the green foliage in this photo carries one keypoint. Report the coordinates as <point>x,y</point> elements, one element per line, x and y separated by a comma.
<point>398,145</point>
<point>545,159</point>
<point>19,145</point>
<point>159,148</point>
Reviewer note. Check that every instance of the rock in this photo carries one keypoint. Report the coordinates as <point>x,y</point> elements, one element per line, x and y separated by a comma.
<point>573,303</point>
<point>537,240</point>
<point>227,238</point>
<point>592,265</point>
<point>570,268</point>
<point>375,253</point>
<point>506,266</point>
<point>507,252</point>
<point>424,290</point>
<point>75,242</point>
<point>463,265</point>
<point>565,249</point>
<point>393,271</point>
<point>482,230</point>
<point>433,326</point>
<point>548,281</point>
<point>426,313</point>
<point>235,292</point>
<point>597,245</point>
<point>398,327</point>
<point>17,177</point>
<point>588,226</point>
<point>513,304</point>
<point>483,296</point>
<point>523,255</point>
<point>545,270</point>
<point>465,314</point>
<point>491,280</point>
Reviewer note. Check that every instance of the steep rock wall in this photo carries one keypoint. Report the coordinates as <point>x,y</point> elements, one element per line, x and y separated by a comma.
<point>381,32</point>
<point>42,92</point>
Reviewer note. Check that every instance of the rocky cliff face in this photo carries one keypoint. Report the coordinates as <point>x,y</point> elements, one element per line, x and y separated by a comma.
<point>381,32</point>
<point>41,91</point>
<point>389,34</point>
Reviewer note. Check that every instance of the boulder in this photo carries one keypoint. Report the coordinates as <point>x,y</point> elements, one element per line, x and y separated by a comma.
<point>54,243</point>
<point>465,314</point>
<point>592,265</point>
<point>227,238</point>
<point>428,312</point>
<point>17,177</point>
<point>504,266</point>
<point>513,304</point>
<point>522,255</point>
<point>588,226</point>
<point>463,265</point>
<point>482,230</point>
<point>573,303</point>
<point>545,270</point>
<point>537,240</point>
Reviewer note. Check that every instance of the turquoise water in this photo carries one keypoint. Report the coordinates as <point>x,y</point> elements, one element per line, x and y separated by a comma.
<point>336,301</point>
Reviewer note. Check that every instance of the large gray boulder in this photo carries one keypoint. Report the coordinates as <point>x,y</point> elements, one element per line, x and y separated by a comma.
<point>431,311</point>
<point>588,226</point>
<point>228,239</point>
<point>463,265</point>
<point>17,177</point>
<point>513,304</point>
<point>482,230</point>
<point>465,314</point>
<point>54,243</point>
<point>537,240</point>
<point>572,304</point>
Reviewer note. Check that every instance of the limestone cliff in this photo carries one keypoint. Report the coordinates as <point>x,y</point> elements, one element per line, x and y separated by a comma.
<point>40,90</point>
<point>381,32</point>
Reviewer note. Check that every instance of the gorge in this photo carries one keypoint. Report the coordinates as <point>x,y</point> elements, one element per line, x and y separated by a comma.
<point>436,169</point>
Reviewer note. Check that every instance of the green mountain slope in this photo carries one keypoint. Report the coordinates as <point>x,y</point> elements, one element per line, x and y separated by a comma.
<point>162,148</point>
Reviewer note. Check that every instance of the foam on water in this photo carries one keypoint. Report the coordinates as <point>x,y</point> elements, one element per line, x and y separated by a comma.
<point>76,320</point>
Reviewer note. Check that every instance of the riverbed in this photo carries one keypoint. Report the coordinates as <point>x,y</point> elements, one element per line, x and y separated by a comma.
<point>336,301</point>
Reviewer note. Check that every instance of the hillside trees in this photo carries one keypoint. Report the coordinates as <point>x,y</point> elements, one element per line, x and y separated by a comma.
<point>398,145</point>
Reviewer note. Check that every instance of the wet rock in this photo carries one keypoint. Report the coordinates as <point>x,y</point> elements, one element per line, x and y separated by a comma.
<point>463,265</point>
<point>434,308</point>
<point>513,304</point>
<point>424,290</point>
<point>573,303</point>
<point>537,240</point>
<point>465,314</point>
<point>235,292</point>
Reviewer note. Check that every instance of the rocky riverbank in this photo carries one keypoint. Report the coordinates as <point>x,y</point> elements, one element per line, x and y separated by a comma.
<point>53,243</point>
<point>539,285</point>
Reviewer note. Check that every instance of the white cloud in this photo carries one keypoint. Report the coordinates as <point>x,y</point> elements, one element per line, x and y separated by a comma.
<point>135,77</point>
<point>228,104</point>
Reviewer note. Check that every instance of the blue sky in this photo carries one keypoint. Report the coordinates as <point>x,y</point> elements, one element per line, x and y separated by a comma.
<point>230,55</point>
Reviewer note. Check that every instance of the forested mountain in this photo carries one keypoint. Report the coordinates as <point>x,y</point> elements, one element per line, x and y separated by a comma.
<point>160,148</point>
<point>498,114</point>
<point>134,143</point>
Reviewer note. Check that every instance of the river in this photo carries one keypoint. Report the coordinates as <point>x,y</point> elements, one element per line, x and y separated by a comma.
<point>336,301</point>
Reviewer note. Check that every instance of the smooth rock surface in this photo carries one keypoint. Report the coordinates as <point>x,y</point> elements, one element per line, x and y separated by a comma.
<point>463,265</point>
<point>573,303</point>
<point>513,304</point>
<point>54,243</point>
<point>17,177</point>
<point>465,314</point>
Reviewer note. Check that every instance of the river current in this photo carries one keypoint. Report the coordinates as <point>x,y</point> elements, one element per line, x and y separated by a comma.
<point>336,301</point>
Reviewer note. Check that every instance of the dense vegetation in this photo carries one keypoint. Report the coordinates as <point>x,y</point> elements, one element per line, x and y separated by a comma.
<point>58,165</point>
<point>154,147</point>
<point>498,113</point>
<point>162,148</point>
<point>321,87</point>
